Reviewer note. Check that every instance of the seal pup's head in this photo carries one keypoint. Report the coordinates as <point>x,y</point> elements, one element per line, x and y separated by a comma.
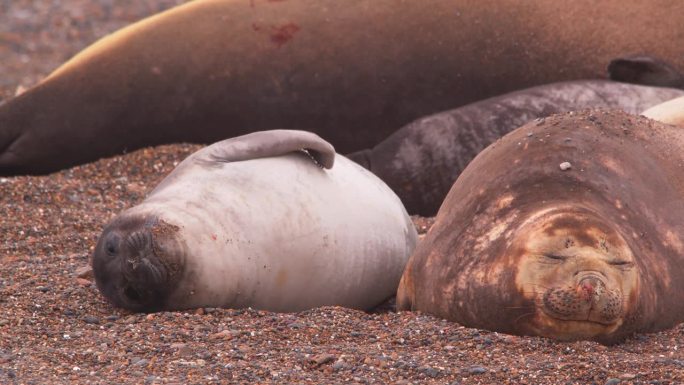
<point>137,261</point>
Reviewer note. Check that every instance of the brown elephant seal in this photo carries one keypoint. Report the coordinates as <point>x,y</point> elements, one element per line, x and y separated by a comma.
<point>670,112</point>
<point>421,161</point>
<point>352,71</point>
<point>254,222</point>
<point>570,228</point>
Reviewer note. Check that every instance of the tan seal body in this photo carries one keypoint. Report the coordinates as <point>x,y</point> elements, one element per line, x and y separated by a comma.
<point>569,227</point>
<point>670,112</point>
<point>253,222</point>
<point>353,71</point>
<point>421,161</point>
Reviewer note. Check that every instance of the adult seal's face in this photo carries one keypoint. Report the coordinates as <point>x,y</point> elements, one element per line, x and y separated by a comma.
<point>576,270</point>
<point>137,261</point>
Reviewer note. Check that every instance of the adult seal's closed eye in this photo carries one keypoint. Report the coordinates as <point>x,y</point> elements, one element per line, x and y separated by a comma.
<point>353,71</point>
<point>253,221</point>
<point>421,161</point>
<point>569,228</point>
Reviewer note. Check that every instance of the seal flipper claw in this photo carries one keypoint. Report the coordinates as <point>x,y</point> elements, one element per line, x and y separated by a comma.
<point>273,143</point>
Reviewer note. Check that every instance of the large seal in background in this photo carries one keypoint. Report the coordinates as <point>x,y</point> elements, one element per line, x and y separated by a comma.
<point>421,161</point>
<point>353,71</point>
<point>246,222</point>
<point>570,228</point>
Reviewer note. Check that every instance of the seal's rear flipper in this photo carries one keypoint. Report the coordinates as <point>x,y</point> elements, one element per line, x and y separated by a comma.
<point>645,70</point>
<point>265,144</point>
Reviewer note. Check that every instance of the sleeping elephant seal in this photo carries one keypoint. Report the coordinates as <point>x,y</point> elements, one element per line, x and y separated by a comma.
<point>353,71</point>
<point>421,161</point>
<point>670,112</point>
<point>571,228</point>
<point>253,221</point>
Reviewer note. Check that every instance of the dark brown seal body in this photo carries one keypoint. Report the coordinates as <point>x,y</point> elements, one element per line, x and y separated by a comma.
<point>421,161</point>
<point>569,228</point>
<point>352,71</point>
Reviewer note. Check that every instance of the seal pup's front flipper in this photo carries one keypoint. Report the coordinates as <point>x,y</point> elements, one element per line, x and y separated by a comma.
<point>645,70</point>
<point>264,144</point>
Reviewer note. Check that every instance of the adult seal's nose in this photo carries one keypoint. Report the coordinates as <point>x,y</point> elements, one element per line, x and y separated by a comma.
<point>590,288</point>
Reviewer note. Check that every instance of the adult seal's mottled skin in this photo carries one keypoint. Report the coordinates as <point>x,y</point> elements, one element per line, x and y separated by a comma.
<point>670,112</point>
<point>247,222</point>
<point>352,71</point>
<point>569,228</point>
<point>421,161</point>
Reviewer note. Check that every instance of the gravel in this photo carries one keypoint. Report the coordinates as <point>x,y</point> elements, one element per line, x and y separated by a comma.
<point>56,328</point>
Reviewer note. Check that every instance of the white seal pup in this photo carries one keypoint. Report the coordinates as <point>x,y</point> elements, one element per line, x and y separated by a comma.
<point>254,221</point>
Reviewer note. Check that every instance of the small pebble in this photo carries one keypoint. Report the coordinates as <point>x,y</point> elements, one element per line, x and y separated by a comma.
<point>223,334</point>
<point>83,282</point>
<point>339,365</point>
<point>141,362</point>
<point>85,272</point>
<point>91,320</point>
<point>477,370</point>
<point>323,359</point>
<point>565,166</point>
<point>429,371</point>
<point>627,376</point>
